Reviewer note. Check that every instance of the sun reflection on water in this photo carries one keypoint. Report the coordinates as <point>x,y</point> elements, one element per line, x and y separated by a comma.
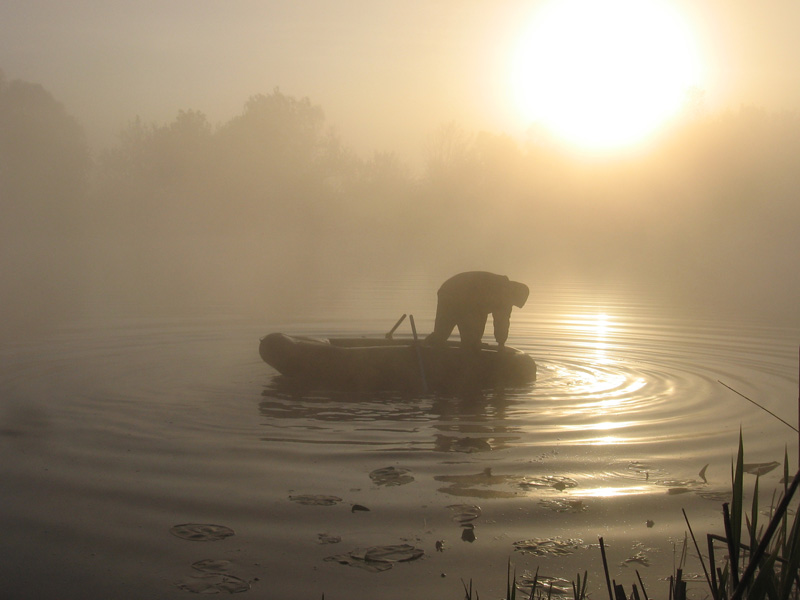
<point>596,328</point>
<point>612,492</point>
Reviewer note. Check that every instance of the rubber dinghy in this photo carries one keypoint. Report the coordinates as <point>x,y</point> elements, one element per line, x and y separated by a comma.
<point>394,364</point>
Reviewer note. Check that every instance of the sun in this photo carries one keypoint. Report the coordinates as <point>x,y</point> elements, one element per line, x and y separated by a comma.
<point>603,76</point>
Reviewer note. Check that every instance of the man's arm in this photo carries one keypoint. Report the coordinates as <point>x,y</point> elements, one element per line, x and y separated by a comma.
<point>502,319</point>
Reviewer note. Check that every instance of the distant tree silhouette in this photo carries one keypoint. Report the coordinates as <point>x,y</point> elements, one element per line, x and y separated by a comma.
<point>44,161</point>
<point>44,167</point>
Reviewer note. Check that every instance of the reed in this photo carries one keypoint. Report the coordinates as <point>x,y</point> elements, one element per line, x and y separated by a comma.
<point>756,562</point>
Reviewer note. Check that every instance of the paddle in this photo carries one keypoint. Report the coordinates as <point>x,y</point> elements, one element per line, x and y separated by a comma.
<point>396,325</point>
<point>419,353</point>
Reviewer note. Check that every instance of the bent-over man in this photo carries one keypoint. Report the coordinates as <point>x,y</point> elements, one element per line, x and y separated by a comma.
<point>467,299</point>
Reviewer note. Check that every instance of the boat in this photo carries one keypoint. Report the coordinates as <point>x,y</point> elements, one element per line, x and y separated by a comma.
<point>386,363</point>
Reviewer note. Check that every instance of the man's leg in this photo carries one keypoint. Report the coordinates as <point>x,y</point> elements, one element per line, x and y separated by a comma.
<point>471,327</point>
<point>443,325</point>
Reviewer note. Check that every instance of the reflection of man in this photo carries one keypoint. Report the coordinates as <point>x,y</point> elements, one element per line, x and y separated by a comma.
<point>467,299</point>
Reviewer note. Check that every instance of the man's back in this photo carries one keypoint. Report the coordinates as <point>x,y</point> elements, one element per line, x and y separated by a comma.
<point>482,291</point>
<point>466,300</point>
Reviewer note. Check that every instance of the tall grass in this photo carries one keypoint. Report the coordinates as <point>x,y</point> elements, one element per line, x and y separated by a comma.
<point>756,562</point>
<point>752,561</point>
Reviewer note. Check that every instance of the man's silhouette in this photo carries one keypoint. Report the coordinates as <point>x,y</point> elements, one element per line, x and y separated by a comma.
<point>467,299</point>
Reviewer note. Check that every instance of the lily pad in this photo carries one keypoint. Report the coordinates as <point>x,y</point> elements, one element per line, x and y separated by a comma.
<point>378,558</point>
<point>391,476</point>
<point>390,554</point>
<point>563,504</point>
<point>554,546</point>
<point>760,468</point>
<point>464,513</point>
<point>209,565</point>
<point>325,538</point>
<point>214,583</point>
<point>639,558</point>
<point>315,499</point>
<point>557,482</point>
<point>201,532</point>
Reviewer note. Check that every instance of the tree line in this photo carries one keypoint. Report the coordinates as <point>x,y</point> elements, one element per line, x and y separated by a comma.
<point>274,194</point>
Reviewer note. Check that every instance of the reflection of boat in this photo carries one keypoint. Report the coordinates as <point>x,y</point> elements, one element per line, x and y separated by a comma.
<point>378,363</point>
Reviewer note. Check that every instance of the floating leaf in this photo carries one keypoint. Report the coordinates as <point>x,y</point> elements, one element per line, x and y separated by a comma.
<point>213,583</point>
<point>315,499</point>
<point>378,558</point>
<point>639,558</point>
<point>468,533</point>
<point>392,554</point>
<point>391,476</point>
<point>201,532</point>
<point>563,504</point>
<point>556,482</point>
<point>464,513</point>
<point>554,546</point>
<point>760,468</point>
<point>212,566</point>
<point>324,538</point>
<point>346,559</point>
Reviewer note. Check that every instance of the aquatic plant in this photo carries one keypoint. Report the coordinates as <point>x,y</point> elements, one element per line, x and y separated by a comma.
<point>760,562</point>
<point>757,563</point>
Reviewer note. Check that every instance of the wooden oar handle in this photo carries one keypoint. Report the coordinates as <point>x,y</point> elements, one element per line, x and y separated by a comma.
<point>396,325</point>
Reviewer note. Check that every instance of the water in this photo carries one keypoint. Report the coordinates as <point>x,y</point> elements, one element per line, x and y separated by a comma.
<point>115,430</point>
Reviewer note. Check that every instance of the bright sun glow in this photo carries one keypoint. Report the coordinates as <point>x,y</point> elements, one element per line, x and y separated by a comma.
<point>604,75</point>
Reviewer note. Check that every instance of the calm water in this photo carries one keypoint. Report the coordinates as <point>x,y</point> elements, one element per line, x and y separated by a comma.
<point>116,429</point>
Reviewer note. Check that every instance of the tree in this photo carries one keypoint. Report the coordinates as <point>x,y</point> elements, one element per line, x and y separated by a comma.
<point>44,166</point>
<point>44,160</point>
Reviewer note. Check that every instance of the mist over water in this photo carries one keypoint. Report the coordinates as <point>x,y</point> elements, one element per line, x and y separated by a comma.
<point>137,275</point>
<point>121,428</point>
<point>251,214</point>
<point>137,280</point>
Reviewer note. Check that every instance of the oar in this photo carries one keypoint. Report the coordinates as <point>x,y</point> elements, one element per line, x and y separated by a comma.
<point>419,354</point>
<point>396,325</point>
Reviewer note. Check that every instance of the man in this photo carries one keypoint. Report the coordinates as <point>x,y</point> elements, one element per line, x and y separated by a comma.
<point>467,299</point>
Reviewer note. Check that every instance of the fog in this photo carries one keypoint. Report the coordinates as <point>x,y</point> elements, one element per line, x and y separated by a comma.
<point>251,213</point>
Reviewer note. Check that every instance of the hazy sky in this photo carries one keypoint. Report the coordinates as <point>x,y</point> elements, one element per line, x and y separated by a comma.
<point>386,73</point>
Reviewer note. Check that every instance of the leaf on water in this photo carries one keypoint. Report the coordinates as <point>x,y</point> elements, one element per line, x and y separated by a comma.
<point>563,504</point>
<point>359,507</point>
<point>639,558</point>
<point>716,495</point>
<point>468,533</point>
<point>760,468</point>
<point>213,583</point>
<point>554,546</point>
<point>485,477</point>
<point>212,566</point>
<point>392,554</point>
<point>346,559</point>
<point>324,538</point>
<point>315,499</point>
<point>201,532</point>
<point>391,476</point>
<point>556,482</point>
<point>464,513</point>
<point>558,585</point>
<point>378,558</point>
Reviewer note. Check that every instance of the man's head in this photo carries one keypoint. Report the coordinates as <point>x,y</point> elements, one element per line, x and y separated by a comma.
<point>519,293</point>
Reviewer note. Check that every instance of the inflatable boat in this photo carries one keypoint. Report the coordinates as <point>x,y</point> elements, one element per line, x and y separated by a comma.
<point>394,364</point>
